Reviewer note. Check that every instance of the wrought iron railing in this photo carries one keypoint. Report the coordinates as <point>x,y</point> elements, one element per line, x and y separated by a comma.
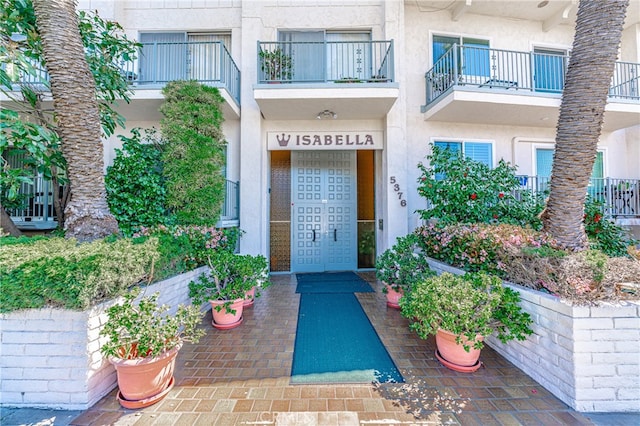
<point>507,70</point>
<point>619,197</point>
<point>323,62</point>
<point>161,62</point>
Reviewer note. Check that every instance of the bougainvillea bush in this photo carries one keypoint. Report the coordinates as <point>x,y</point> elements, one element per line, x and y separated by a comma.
<point>532,259</point>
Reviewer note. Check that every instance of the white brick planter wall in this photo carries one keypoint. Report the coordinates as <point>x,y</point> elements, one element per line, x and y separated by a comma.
<point>589,357</point>
<point>50,358</point>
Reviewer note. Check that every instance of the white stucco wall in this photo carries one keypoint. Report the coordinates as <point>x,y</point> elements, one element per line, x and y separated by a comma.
<point>406,132</point>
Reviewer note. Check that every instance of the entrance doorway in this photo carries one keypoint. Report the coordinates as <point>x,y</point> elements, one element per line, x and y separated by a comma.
<point>321,211</point>
<point>324,211</point>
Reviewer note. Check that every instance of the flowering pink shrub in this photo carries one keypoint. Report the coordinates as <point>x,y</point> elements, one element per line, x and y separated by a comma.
<point>194,242</point>
<point>478,247</point>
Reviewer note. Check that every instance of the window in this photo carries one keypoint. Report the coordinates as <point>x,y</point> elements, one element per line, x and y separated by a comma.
<point>544,164</point>
<point>474,60</point>
<point>477,151</point>
<point>549,69</point>
<point>328,56</point>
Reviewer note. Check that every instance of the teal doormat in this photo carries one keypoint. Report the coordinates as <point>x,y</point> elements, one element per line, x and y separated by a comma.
<point>336,343</point>
<point>332,282</point>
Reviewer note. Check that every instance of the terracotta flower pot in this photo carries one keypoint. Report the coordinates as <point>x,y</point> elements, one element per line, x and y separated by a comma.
<point>454,354</point>
<point>142,379</point>
<point>224,320</point>
<point>249,297</point>
<point>393,297</point>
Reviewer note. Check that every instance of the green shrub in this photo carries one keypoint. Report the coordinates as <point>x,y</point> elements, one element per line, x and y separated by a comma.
<point>604,234</point>
<point>60,272</point>
<point>461,190</point>
<point>135,186</point>
<point>194,154</point>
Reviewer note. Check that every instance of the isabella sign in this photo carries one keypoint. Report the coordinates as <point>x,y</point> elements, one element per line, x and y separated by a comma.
<point>312,141</point>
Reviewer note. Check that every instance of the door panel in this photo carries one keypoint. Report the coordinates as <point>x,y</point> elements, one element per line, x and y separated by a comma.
<point>324,211</point>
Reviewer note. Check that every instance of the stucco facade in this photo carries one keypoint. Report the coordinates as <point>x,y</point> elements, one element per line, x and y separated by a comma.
<point>513,121</point>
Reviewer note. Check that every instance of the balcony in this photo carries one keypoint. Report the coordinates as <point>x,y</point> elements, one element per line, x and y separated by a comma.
<point>159,63</point>
<point>354,79</point>
<point>620,197</point>
<point>493,86</point>
<point>37,212</point>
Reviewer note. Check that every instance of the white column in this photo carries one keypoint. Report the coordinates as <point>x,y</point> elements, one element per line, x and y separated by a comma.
<point>253,154</point>
<point>394,158</point>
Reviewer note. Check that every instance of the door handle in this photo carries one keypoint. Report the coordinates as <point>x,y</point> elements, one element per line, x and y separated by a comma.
<point>314,236</point>
<point>335,234</point>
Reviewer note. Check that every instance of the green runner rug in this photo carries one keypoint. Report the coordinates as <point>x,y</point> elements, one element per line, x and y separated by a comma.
<point>336,343</point>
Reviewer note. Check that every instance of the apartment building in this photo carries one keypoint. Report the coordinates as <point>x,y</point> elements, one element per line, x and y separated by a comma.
<point>330,105</point>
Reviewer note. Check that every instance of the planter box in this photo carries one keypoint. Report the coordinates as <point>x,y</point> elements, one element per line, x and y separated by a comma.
<point>587,356</point>
<point>51,357</point>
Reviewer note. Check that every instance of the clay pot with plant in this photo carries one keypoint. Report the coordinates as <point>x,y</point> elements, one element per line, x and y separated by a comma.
<point>400,267</point>
<point>144,340</point>
<point>461,310</point>
<point>226,285</point>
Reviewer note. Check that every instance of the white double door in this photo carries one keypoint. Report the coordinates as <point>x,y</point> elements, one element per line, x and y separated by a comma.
<point>323,211</point>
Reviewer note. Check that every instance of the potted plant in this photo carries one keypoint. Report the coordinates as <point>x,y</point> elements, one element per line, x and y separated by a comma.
<point>366,246</point>
<point>275,65</point>
<point>399,267</point>
<point>460,311</point>
<point>226,284</point>
<point>144,340</point>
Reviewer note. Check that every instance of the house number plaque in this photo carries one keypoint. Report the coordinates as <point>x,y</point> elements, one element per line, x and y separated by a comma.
<point>396,188</point>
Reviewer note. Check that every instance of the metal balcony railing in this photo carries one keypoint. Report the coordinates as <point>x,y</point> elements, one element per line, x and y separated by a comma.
<point>324,62</point>
<point>161,62</point>
<point>620,197</point>
<point>500,70</point>
<point>38,203</point>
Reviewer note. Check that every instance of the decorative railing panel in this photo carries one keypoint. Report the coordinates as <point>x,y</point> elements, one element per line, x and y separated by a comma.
<point>323,62</point>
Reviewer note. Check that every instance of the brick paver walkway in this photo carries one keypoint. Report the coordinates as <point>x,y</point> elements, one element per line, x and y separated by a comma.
<point>241,376</point>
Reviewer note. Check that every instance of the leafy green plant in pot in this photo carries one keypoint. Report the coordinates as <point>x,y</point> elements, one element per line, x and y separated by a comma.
<point>275,65</point>
<point>144,340</point>
<point>226,283</point>
<point>400,267</point>
<point>460,311</point>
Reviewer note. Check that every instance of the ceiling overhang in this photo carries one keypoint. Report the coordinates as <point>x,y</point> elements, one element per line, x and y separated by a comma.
<point>511,109</point>
<point>304,102</point>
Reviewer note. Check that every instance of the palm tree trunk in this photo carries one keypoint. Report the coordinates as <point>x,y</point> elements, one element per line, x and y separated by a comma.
<point>595,49</point>
<point>77,119</point>
<point>6,224</point>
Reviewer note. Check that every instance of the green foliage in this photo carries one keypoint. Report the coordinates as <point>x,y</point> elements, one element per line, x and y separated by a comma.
<point>479,247</point>
<point>194,154</point>
<point>145,329</point>
<point>461,190</point>
<point>135,186</point>
<point>401,265</point>
<point>25,124</point>
<point>469,305</point>
<point>40,147</point>
<point>229,278</point>
<point>63,273</point>
<point>604,234</point>
<point>183,248</point>
<point>53,271</point>
<point>276,65</point>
